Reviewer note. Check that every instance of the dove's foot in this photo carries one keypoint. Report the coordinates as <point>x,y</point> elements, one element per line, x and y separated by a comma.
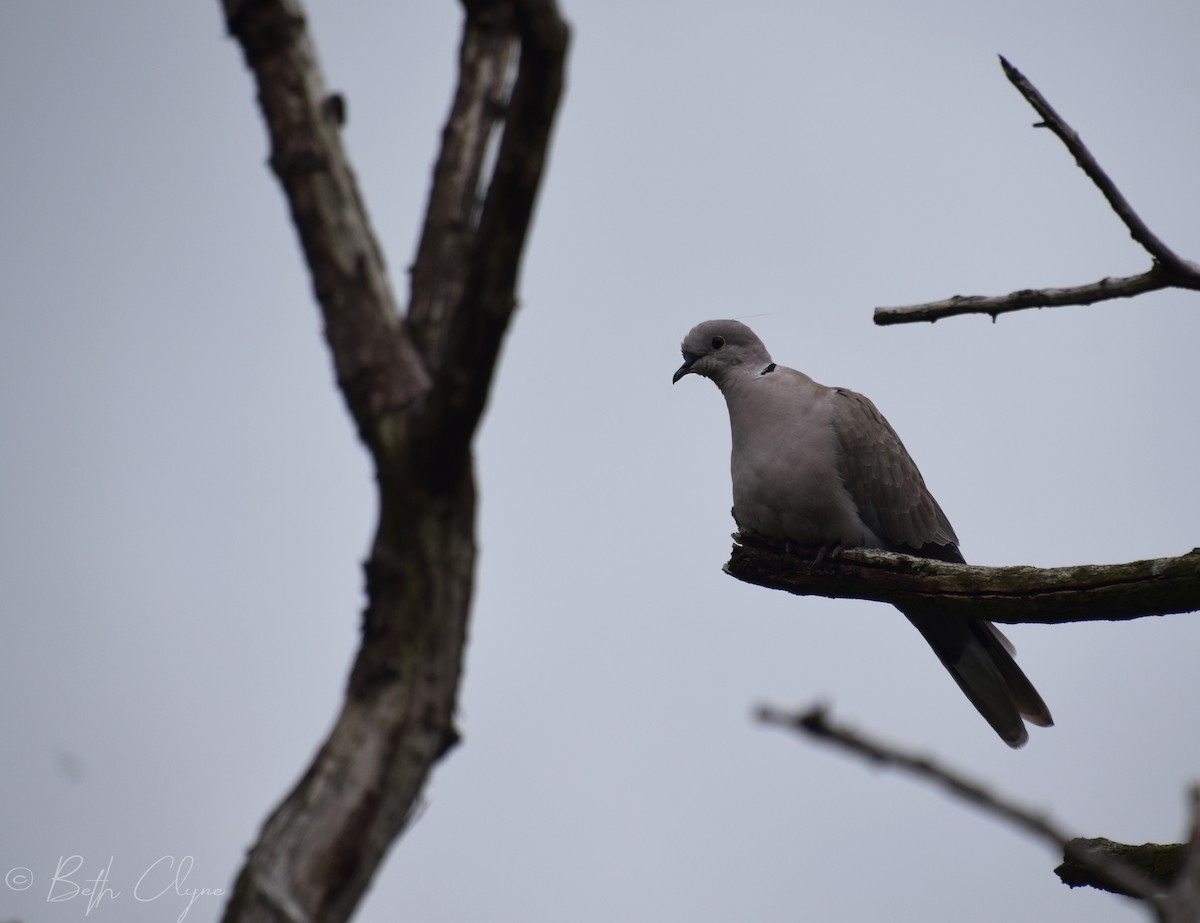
<point>828,554</point>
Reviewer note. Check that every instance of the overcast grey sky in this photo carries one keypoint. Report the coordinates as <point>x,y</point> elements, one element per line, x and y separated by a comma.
<point>184,507</point>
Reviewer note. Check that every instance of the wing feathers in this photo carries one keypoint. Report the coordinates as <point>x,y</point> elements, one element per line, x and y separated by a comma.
<point>883,479</point>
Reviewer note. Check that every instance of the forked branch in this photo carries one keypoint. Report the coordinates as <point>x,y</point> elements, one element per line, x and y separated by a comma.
<point>416,385</point>
<point>1168,269</point>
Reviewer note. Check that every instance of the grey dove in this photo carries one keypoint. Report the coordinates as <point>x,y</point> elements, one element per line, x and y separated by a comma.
<point>819,467</point>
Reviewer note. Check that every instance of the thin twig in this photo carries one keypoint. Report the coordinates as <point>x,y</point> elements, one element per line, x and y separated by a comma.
<point>1055,123</point>
<point>1104,290</point>
<point>1169,270</point>
<point>814,722</point>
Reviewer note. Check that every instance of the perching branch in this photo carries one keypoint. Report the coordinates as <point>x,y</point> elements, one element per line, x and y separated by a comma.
<point>1173,903</point>
<point>416,386</point>
<point>1013,595</point>
<point>1167,271</point>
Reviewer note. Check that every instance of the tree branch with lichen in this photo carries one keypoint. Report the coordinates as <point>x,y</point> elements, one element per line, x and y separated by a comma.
<point>1012,595</point>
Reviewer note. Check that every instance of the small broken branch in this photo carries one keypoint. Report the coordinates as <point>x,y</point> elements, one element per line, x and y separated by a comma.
<point>1169,270</point>
<point>1160,862</point>
<point>1012,595</point>
<point>1175,867</point>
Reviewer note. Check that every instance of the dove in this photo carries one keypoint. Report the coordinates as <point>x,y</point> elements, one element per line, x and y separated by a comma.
<point>819,467</point>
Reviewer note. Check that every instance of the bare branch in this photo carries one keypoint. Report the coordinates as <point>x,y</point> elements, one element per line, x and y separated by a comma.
<point>487,265</point>
<point>1168,270</point>
<point>452,216</point>
<point>1010,595</point>
<point>815,724</point>
<point>416,388</point>
<point>1124,287</point>
<point>1055,123</point>
<point>377,367</point>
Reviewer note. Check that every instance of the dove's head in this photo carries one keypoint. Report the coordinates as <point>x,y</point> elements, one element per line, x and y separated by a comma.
<point>718,349</point>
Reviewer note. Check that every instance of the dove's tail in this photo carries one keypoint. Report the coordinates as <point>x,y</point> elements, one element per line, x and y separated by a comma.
<point>981,661</point>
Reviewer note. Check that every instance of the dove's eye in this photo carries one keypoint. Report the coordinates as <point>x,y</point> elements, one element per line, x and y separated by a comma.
<point>718,342</point>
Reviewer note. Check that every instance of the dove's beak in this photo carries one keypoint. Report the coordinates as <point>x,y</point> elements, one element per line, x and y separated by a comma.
<point>685,369</point>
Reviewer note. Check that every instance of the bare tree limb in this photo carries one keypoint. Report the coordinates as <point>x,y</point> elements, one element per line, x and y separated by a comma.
<point>1012,595</point>
<point>1152,280</point>
<point>478,269</point>
<point>377,367</point>
<point>1168,270</point>
<point>1163,255</point>
<point>416,386</point>
<point>1131,881</point>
